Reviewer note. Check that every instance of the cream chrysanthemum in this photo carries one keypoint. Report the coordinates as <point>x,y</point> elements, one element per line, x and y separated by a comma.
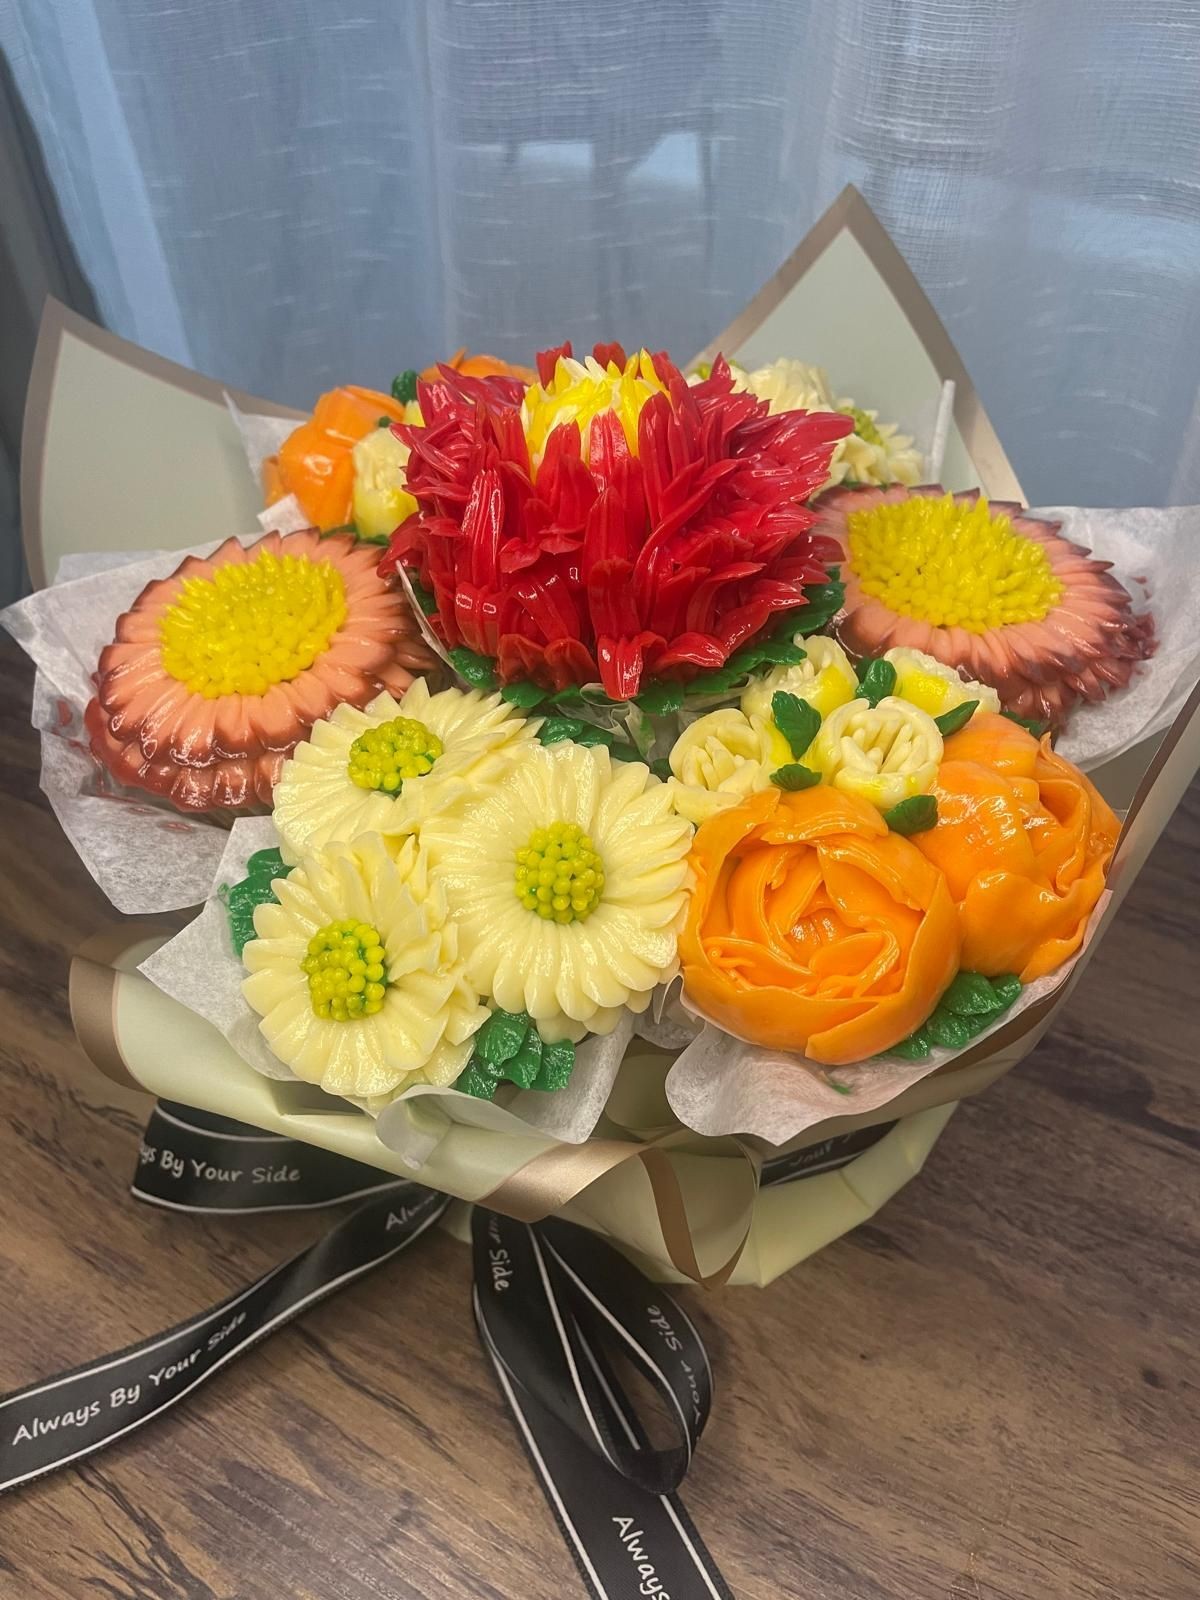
<point>720,759</point>
<point>875,453</point>
<point>380,500</point>
<point>357,976</point>
<point>924,681</point>
<point>600,838</point>
<point>824,678</point>
<point>885,753</point>
<point>381,770</point>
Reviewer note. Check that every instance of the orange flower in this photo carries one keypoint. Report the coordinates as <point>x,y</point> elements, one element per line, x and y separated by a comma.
<point>1024,842</point>
<point>316,461</point>
<point>812,928</point>
<point>218,672</point>
<point>480,367</point>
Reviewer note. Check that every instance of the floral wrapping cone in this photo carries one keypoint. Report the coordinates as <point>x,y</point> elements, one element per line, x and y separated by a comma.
<point>614,525</point>
<point>985,588</point>
<point>1024,842</point>
<point>217,672</point>
<point>813,929</point>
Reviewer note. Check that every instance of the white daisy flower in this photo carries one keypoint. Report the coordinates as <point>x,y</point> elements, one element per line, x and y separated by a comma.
<point>357,976</point>
<point>567,880</point>
<point>381,770</point>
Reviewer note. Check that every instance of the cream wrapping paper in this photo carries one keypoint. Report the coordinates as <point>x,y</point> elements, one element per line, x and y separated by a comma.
<point>201,970</point>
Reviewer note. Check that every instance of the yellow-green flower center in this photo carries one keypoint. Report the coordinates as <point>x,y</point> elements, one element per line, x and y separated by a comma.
<point>346,974</point>
<point>252,624</point>
<point>950,564</point>
<point>559,874</point>
<point>383,757</point>
<point>864,425</point>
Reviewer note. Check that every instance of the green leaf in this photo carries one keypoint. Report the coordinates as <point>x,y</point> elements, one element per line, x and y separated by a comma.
<point>572,695</point>
<point>474,669</point>
<point>523,695</point>
<point>591,734</point>
<point>824,601</point>
<point>794,776</point>
<point>951,721</point>
<point>840,1087</point>
<point>876,680</point>
<point>254,890</point>
<point>915,1048</point>
<point>556,728</point>
<point>558,1062</point>
<point>916,815</point>
<point>972,995</point>
<point>372,538</point>
<point>659,699</point>
<point>1007,988</point>
<point>661,768</point>
<point>404,387</point>
<point>780,653</point>
<point>953,1032</point>
<point>622,750</point>
<point>1037,729</point>
<point>501,1036</point>
<point>524,1067</point>
<point>479,1079</point>
<point>424,597</point>
<point>796,720</point>
<point>342,527</point>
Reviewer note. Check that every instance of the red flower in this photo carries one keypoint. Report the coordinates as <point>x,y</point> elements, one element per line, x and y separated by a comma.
<point>602,561</point>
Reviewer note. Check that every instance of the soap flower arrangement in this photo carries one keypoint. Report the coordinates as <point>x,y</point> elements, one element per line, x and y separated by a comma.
<point>833,858</point>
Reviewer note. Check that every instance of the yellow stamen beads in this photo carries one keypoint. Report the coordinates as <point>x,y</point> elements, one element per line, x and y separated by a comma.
<point>384,757</point>
<point>346,973</point>
<point>950,564</point>
<point>252,624</point>
<point>559,874</point>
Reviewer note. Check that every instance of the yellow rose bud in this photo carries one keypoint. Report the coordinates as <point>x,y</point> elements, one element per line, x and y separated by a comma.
<point>824,678</point>
<point>380,501</point>
<point>934,687</point>
<point>717,761</point>
<point>884,754</point>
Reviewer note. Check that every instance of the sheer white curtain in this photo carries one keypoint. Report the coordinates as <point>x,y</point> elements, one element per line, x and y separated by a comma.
<point>287,194</point>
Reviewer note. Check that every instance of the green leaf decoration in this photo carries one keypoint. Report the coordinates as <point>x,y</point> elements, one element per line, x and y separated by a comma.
<point>622,750</point>
<point>530,1064</point>
<point>255,889</point>
<point>838,1086</point>
<point>971,1004</point>
<point>660,767</point>
<point>824,601</point>
<point>1037,729</point>
<point>558,1062</point>
<point>876,680</point>
<point>523,1068</point>
<point>342,527</point>
<point>555,729</point>
<point>780,653</point>
<point>659,699</point>
<point>383,422</point>
<point>796,720</point>
<point>501,1036</point>
<point>478,671</point>
<point>404,387</point>
<point>424,597</point>
<point>794,776</point>
<point>372,538</point>
<point>951,721</point>
<point>916,815</point>
<point>572,695</point>
<point>523,695</point>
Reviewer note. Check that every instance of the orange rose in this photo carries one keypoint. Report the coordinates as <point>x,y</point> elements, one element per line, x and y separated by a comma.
<point>812,928</point>
<point>1024,842</point>
<point>481,367</point>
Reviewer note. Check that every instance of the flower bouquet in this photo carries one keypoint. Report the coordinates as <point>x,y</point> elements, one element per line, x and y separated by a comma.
<point>616,786</point>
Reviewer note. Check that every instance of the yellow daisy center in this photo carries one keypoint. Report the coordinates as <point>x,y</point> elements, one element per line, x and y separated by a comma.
<point>345,967</point>
<point>384,757</point>
<point>950,564</point>
<point>252,624</point>
<point>582,390</point>
<point>559,874</point>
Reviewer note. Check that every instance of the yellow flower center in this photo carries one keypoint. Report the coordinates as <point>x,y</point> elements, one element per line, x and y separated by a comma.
<point>252,624</point>
<point>864,425</point>
<point>559,874</point>
<point>953,565</point>
<point>345,967</point>
<point>580,391</point>
<point>383,757</point>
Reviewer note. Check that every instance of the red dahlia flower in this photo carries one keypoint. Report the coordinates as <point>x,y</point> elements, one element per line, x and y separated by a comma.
<point>615,524</point>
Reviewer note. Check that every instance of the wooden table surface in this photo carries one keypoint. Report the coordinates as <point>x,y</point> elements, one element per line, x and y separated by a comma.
<point>990,1393</point>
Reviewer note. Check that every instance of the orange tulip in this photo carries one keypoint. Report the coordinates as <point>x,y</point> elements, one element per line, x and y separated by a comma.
<point>812,928</point>
<point>1024,842</point>
<point>481,367</point>
<point>316,461</point>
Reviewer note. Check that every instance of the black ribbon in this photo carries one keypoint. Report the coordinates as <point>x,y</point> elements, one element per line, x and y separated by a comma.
<point>553,1304</point>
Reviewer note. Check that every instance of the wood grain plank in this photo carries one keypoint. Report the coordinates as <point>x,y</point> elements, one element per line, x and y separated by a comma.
<point>990,1393</point>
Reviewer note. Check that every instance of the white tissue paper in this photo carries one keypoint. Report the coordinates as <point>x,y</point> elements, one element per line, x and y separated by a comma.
<point>200,968</point>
